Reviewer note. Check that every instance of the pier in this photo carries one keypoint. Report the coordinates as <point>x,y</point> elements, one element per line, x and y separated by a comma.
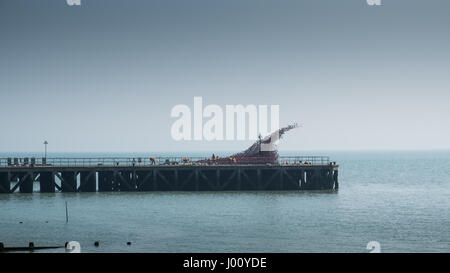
<point>165,174</point>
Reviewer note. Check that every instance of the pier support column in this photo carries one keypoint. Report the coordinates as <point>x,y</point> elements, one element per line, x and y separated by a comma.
<point>309,180</point>
<point>127,182</point>
<point>105,181</point>
<point>321,179</point>
<point>239,179</point>
<point>115,182</point>
<point>155,179</point>
<point>302,180</point>
<point>318,181</point>
<point>5,184</point>
<point>88,182</point>
<point>47,182</point>
<point>176,179</point>
<point>218,178</point>
<point>69,183</point>
<point>281,185</point>
<point>291,180</point>
<point>144,180</point>
<point>330,179</point>
<point>196,179</point>
<point>335,178</point>
<point>259,184</point>
<point>26,184</point>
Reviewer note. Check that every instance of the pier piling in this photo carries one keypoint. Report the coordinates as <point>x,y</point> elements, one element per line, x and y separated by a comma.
<point>25,182</point>
<point>105,181</point>
<point>5,183</point>
<point>68,181</point>
<point>47,181</point>
<point>88,181</point>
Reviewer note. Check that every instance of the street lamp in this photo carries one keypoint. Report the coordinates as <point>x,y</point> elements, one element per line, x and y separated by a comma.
<point>45,143</point>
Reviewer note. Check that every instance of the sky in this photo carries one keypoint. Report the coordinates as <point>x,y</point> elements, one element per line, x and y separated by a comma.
<point>104,76</point>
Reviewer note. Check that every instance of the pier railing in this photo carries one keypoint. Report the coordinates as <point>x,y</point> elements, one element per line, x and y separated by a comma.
<point>148,161</point>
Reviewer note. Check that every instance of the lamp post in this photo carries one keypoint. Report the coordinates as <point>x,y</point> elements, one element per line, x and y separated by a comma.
<point>45,143</point>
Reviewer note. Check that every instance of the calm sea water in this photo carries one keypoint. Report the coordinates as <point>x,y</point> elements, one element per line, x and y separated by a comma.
<point>400,199</point>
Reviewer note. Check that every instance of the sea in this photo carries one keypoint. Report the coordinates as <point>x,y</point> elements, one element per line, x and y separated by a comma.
<point>397,200</point>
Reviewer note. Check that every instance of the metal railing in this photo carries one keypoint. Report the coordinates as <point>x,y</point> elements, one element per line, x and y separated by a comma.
<point>148,161</point>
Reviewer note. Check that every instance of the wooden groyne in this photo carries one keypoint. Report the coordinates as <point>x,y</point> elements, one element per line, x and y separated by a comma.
<point>164,174</point>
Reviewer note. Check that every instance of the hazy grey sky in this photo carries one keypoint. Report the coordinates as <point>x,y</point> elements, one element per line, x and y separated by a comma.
<point>104,76</point>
